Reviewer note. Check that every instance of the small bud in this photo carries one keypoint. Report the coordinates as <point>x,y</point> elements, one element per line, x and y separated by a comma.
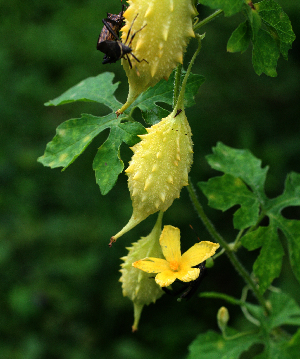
<point>162,42</point>
<point>222,318</point>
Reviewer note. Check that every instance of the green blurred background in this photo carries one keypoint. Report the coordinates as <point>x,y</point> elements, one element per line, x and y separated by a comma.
<point>60,296</point>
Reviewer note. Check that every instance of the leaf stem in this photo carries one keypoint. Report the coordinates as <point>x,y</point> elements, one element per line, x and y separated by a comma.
<point>231,255</point>
<point>207,19</point>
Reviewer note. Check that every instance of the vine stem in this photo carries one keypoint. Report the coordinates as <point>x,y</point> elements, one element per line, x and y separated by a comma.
<point>231,255</point>
<point>208,19</point>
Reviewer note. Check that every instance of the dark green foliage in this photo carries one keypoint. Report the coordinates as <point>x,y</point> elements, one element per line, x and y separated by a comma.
<point>285,311</point>
<point>243,184</point>
<point>60,295</point>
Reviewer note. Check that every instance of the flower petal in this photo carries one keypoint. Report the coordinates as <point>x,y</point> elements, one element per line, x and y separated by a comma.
<point>199,253</point>
<point>188,275</point>
<point>166,278</point>
<point>170,243</point>
<point>152,265</point>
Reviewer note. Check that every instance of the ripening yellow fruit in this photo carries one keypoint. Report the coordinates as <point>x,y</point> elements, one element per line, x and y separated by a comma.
<point>159,45</point>
<point>140,287</point>
<point>159,167</point>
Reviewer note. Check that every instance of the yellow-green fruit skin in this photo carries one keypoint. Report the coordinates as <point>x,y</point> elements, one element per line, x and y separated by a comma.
<point>139,286</point>
<point>162,42</point>
<point>160,165</point>
<point>159,168</point>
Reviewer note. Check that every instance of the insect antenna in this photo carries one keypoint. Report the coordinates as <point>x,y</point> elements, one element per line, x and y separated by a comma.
<point>129,31</point>
<point>195,232</point>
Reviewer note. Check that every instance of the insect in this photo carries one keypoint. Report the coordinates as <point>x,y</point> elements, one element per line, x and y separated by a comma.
<point>190,288</point>
<point>114,50</point>
<point>114,22</point>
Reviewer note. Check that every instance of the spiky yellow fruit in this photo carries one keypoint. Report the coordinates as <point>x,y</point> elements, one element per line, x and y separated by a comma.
<point>162,42</point>
<point>140,286</point>
<point>159,167</point>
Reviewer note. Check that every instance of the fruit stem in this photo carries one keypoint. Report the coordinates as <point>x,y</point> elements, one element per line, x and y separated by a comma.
<point>177,84</point>
<point>207,19</point>
<point>180,101</point>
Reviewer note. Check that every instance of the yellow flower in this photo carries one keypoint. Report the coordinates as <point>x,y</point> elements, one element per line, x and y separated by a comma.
<point>176,266</point>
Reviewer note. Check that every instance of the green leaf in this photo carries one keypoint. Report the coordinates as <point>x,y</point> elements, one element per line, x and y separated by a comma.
<point>243,184</point>
<point>229,7</point>
<point>254,20</point>
<point>107,163</point>
<point>212,345</point>
<point>240,38</point>
<point>94,89</point>
<point>163,93</point>
<point>285,310</point>
<point>265,54</point>
<point>239,163</point>
<point>72,137</point>
<point>290,196</point>
<point>281,349</point>
<point>291,230</point>
<point>270,31</point>
<point>227,191</point>
<point>268,264</point>
<point>277,20</point>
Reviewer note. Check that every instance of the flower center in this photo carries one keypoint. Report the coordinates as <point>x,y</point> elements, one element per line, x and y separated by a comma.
<point>174,266</point>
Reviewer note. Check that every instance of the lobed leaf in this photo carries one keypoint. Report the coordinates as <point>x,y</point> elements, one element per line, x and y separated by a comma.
<point>285,310</point>
<point>227,191</point>
<point>243,185</point>
<point>94,89</point>
<point>268,264</point>
<point>107,163</point>
<point>72,137</point>
<point>239,163</point>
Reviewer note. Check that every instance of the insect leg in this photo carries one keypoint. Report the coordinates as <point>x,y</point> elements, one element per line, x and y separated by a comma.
<point>132,37</point>
<point>138,59</point>
<point>127,58</point>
